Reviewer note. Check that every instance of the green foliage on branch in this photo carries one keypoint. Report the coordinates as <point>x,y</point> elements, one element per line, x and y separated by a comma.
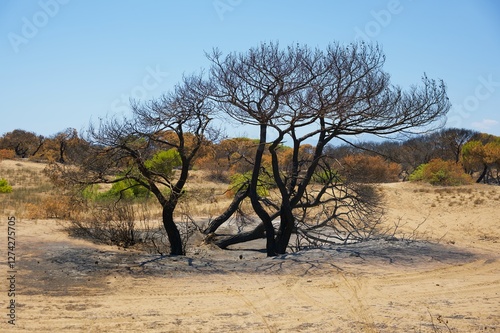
<point>164,162</point>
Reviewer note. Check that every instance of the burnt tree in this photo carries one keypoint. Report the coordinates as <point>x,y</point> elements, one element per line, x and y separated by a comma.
<point>299,95</point>
<point>139,150</point>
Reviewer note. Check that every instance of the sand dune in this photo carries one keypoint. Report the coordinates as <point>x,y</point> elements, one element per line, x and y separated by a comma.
<point>443,276</point>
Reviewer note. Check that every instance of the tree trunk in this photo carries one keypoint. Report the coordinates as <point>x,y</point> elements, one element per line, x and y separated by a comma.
<point>217,222</point>
<point>483,174</point>
<point>62,147</point>
<point>267,222</point>
<point>257,233</point>
<point>174,236</point>
<point>254,197</point>
<point>287,225</point>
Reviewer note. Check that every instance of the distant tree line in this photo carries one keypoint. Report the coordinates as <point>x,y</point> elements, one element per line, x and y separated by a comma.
<point>478,154</point>
<point>368,162</point>
<point>63,147</point>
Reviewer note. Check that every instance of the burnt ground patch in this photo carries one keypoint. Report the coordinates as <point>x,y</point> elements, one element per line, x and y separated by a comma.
<point>61,268</point>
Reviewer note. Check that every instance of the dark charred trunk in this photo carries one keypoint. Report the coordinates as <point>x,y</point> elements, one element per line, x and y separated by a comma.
<point>483,174</point>
<point>257,233</point>
<point>21,151</point>
<point>174,236</point>
<point>254,197</point>
<point>62,148</point>
<point>40,144</point>
<point>270,240</point>
<point>285,230</point>
<point>217,222</point>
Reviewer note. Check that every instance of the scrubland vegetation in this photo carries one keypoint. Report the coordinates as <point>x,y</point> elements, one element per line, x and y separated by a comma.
<point>290,180</point>
<point>127,215</point>
<point>163,176</point>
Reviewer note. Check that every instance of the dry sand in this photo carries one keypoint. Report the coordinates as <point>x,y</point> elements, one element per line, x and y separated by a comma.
<point>449,282</point>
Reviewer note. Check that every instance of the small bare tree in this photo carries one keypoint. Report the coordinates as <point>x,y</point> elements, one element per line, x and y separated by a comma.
<point>134,150</point>
<point>299,95</point>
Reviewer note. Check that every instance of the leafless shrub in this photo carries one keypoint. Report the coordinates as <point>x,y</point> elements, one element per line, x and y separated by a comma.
<point>129,223</point>
<point>350,215</point>
<point>187,225</point>
<point>108,223</point>
<point>439,324</point>
<point>187,228</point>
<point>413,235</point>
<point>154,239</point>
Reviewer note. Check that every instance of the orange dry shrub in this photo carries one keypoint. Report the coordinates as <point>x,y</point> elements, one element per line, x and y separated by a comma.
<point>50,207</point>
<point>57,207</point>
<point>369,169</point>
<point>217,169</point>
<point>7,154</point>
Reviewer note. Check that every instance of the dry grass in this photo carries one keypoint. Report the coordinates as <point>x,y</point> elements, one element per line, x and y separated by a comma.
<point>30,188</point>
<point>377,292</point>
<point>469,196</point>
<point>33,195</point>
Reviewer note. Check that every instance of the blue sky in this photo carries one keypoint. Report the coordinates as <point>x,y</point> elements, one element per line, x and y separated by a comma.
<point>64,63</point>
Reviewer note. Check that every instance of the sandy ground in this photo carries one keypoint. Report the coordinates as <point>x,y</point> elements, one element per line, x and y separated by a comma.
<point>449,282</point>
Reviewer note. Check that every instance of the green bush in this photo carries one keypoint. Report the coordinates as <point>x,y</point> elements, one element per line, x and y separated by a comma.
<point>440,172</point>
<point>125,189</point>
<point>418,174</point>
<point>326,176</point>
<point>241,181</point>
<point>4,186</point>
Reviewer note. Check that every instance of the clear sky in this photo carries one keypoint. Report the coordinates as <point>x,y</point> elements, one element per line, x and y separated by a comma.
<point>64,63</point>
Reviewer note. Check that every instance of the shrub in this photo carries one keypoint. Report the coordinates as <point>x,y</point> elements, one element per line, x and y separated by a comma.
<point>241,181</point>
<point>163,162</point>
<point>56,207</point>
<point>418,174</point>
<point>326,176</point>
<point>370,169</point>
<point>7,154</point>
<point>217,169</point>
<point>125,189</point>
<point>110,224</point>
<point>4,186</point>
<point>440,172</point>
